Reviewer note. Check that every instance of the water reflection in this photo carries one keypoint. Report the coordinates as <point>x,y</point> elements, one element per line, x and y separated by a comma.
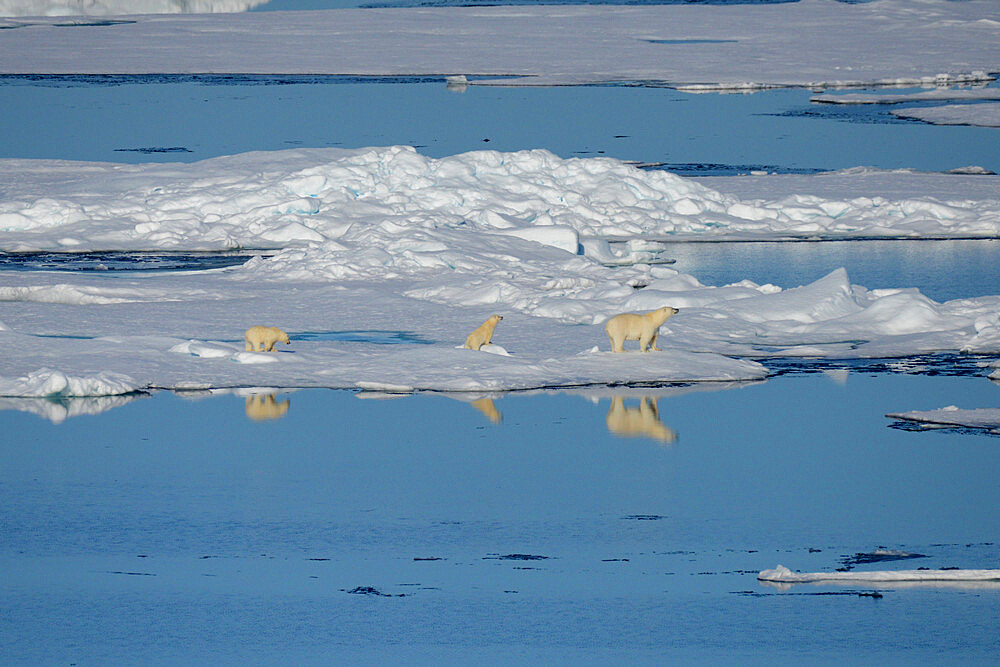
<point>642,421</point>
<point>59,409</point>
<point>261,407</point>
<point>488,408</point>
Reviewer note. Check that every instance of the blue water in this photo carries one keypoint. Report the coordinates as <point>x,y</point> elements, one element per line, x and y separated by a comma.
<point>321,526</point>
<point>942,270</point>
<point>164,118</point>
<point>121,262</point>
<point>428,528</point>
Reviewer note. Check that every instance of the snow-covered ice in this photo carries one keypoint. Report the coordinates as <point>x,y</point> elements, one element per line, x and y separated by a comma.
<point>385,239</point>
<point>734,47</point>
<point>121,7</point>
<point>782,574</point>
<point>932,94</point>
<point>953,416</point>
<point>323,198</point>
<point>983,114</point>
<point>979,106</point>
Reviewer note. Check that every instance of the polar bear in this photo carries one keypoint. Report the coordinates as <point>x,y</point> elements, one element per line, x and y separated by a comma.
<point>642,327</point>
<point>483,333</point>
<point>262,339</point>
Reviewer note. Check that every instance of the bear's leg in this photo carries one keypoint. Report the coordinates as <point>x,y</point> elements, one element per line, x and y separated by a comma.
<point>652,343</point>
<point>270,346</point>
<point>615,345</point>
<point>249,346</point>
<point>644,343</point>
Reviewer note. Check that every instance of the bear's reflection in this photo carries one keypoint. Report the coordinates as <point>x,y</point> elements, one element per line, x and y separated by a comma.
<point>643,421</point>
<point>261,407</point>
<point>486,406</point>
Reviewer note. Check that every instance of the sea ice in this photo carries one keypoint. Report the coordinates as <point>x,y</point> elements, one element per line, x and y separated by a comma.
<point>692,47</point>
<point>982,115</point>
<point>782,574</point>
<point>953,416</point>
<point>47,383</point>
<point>385,239</point>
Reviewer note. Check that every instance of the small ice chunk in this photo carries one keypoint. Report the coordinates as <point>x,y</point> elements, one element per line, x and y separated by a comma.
<point>384,387</point>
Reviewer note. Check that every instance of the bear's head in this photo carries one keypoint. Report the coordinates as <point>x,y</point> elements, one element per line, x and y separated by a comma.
<point>665,313</point>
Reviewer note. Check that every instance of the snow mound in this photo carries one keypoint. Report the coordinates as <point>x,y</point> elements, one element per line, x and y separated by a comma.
<point>204,350</point>
<point>254,358</point>
<point>55,384</point>
<point>392,209</point>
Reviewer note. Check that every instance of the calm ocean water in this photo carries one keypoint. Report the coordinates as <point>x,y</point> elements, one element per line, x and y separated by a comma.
<point>186,118</point>
<point>601,525</point>
<point>433,528</point>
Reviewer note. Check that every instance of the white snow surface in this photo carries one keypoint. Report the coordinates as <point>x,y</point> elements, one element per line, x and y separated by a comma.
<point>982,115</point>
<point>736,47</point>
<point>421,251</point>
<point>398,208</point>
<point>931,94</point>
<point>121,7</point>
<point>984,418</point>
<point>985,112</point>
<point>782,574</point>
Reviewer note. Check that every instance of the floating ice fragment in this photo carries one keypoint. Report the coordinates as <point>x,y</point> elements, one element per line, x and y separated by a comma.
<point>984,418</point>
<point>384,387</point>
<point>782,574</point>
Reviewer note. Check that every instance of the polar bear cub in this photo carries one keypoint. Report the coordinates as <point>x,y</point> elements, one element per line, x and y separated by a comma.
<point>262,339</point>
<point>642,327</point>
<point>483,333</point>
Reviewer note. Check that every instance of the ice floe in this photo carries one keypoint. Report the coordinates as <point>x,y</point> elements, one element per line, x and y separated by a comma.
<point>782,574</point>
<point>392,207</point>
<point>693,47</point>
<point>423,250</point>
<point>983,115</point>
<point>65,8</point>
<point>979,106</point>
<point>952,416</point>
<point>933,94</point>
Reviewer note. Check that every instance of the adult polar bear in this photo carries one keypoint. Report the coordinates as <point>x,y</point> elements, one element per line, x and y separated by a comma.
<point>262,339</point>
<point>642,327</point>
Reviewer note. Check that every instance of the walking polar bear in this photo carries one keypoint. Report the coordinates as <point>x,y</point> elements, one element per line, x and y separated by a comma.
<point>483,333</point>
<point>642,327</point>
<point>263,339</point>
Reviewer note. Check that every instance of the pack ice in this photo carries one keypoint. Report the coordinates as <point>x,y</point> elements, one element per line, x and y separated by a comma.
<point>410,248</point>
